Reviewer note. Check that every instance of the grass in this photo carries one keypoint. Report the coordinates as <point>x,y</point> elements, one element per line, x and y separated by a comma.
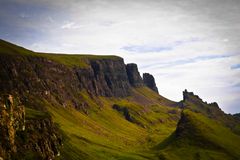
<point>76,59</point>
<point>203,138</point>
<point>71,60</point>
<point>93,138</point>
<point>103,133</point>
<point>35,114</point>
<point>148,95</point>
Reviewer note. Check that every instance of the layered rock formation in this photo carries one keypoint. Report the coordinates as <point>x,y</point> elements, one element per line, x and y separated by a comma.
<point>133,75</point>
<point>21,136</point>
<point>149,81</point>
<point>105,78</point>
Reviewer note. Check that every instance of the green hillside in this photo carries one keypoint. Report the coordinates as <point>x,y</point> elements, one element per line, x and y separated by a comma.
<point>79,60</point>
<point>105,133</point>
<point>199,137</point>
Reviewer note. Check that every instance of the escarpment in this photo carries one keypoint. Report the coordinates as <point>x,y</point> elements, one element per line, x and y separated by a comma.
<point>133,75</point>
<point>44,77</point>
<point>149,81</point>
<point>37,74</point>
<point>105,78</point>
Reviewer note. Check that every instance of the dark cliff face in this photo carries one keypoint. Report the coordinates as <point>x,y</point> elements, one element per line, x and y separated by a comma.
<point>133,75</point>
<point>105,78</point>
<point>149,81</point>
<point>39,77</point>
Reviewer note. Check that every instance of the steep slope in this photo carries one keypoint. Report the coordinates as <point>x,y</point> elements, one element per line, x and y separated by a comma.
<point>106,133</point>
<point>133,75</point>
<point>211,110</point>
<point>200,137</point>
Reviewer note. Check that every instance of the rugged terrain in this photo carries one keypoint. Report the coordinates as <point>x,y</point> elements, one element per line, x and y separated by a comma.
<point>58,106</point>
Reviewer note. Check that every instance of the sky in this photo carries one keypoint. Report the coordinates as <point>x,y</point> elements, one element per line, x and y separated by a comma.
<point>185,44</point>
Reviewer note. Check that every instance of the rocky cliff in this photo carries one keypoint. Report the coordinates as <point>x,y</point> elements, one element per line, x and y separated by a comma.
<point>62,78</point>
<point>106,77</point>
<point>23,137</point>
<point>149,81</point>
<point>133,75</point>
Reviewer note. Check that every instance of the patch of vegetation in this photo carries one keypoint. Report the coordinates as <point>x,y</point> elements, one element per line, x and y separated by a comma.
<point>12,49</point>
<point>76,59</point>
<point>35,114</point>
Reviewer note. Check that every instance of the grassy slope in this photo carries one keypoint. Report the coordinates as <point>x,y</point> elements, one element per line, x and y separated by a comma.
<point>66,59</point>
<point>213,112</point>
<point>203,139</point>
<point>105,134</point>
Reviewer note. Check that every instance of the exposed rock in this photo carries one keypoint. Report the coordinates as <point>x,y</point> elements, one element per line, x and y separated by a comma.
<point>133,75</point>
<point>106,77</point>
<point>124,111</point>
<point>12,119</point>
<point>190,96</point>
<point>43,138</point>
<point>41,77</point>
<point>19,136</point>
<point>149,81</point>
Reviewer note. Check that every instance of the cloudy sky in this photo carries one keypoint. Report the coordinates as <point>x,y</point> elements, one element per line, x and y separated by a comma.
<point>193,44</point>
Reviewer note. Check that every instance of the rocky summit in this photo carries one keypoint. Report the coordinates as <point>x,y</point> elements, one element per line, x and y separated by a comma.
<point>88,107</point>
<point>149,81</point>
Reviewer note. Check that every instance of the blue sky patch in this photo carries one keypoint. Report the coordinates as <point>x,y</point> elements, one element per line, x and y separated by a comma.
<point>235,66</point>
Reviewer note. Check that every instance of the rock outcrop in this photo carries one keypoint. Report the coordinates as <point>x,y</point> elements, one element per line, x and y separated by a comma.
<point>124,111</point>
<point>23,138</point>
<point>105,77</point>
<point>149,81</point>
<point>133,75</point>
<point>12,119</point>
<point>191,97</point>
